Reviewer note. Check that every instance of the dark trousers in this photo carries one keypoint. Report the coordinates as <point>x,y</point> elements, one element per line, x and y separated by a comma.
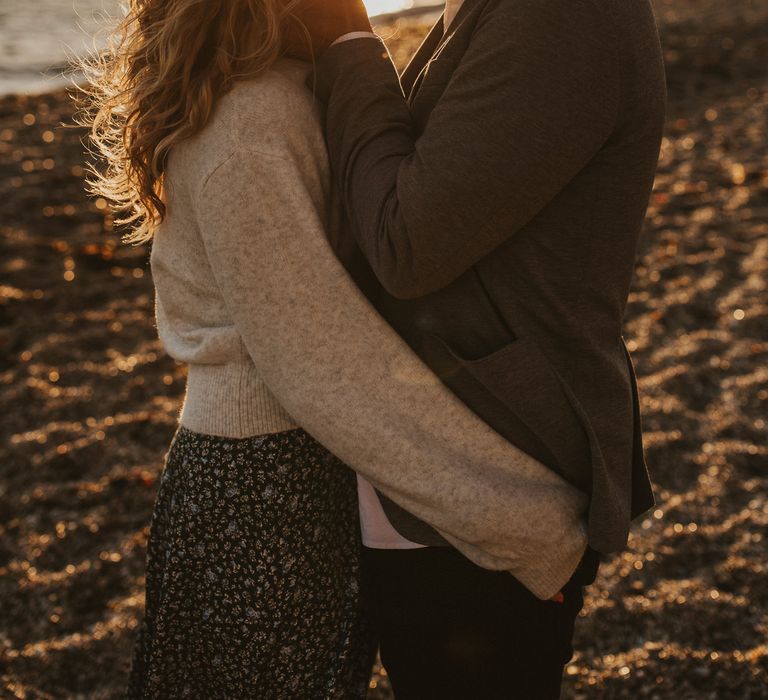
<point>451,629</point>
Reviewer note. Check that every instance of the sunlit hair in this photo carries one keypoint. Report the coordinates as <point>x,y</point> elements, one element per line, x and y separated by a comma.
<point>156,84</point>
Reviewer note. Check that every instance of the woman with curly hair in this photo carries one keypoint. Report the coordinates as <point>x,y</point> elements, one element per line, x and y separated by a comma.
<point>214,153</point>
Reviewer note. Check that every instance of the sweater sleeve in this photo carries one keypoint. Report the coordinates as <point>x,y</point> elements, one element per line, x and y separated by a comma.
<point>528,105</point>
<point>348,379</point>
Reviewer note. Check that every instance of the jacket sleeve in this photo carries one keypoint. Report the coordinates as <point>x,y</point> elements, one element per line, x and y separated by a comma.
<point>348,379</point>
<point>529,104</point>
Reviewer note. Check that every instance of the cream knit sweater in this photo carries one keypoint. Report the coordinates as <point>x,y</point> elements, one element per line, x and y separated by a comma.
<point>276,335</point>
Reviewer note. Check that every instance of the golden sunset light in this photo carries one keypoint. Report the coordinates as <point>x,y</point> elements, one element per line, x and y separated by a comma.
<point>379,7</point>
<point>429,361</point>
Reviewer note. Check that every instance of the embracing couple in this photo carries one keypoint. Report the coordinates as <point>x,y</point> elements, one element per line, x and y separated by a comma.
<point>411,422</point>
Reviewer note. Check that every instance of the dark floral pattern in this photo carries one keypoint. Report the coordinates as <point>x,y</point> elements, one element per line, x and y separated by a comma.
<point>253,574</point>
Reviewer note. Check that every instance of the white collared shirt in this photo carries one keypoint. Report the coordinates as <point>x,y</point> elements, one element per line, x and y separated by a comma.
<point>451,8</point>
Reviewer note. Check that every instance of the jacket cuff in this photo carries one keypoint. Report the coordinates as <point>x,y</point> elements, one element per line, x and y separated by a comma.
<point>366,57</point>
<point>354,35</point>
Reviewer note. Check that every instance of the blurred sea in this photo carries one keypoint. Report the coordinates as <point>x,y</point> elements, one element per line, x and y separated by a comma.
<point>38,36</point>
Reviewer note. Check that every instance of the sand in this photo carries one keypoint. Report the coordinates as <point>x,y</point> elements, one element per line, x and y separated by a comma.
<point>89,401</point>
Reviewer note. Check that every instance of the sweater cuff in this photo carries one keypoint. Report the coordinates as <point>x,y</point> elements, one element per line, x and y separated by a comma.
<point>546,575</point>
<point>543,572</point>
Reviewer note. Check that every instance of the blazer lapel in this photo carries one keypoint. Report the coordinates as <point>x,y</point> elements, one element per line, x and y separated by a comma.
<point>412,72</point>
<point>433,46</point>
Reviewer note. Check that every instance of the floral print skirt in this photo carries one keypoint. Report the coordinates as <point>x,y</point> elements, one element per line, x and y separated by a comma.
<point>252,586</point>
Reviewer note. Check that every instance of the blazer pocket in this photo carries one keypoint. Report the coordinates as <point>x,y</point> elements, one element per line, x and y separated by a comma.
<point>520,376</point>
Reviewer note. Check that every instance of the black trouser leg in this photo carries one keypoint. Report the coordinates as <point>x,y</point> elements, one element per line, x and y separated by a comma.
<point>450,629</point>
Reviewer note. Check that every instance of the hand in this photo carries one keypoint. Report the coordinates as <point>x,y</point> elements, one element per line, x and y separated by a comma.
<point>315,24</point>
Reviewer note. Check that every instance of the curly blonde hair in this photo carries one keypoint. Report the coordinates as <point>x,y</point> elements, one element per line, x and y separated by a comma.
<point>156,84</point>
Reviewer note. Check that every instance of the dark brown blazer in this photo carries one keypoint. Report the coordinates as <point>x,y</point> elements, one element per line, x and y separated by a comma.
<point>495,194</point>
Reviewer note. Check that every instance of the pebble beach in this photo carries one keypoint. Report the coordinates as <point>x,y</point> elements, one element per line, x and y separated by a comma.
<point>89,401</point>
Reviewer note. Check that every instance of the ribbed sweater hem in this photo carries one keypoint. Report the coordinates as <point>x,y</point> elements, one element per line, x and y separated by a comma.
<point>231,401</point>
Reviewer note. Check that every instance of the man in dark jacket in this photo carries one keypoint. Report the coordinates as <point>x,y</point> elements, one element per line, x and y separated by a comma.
<point>494,196</point>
